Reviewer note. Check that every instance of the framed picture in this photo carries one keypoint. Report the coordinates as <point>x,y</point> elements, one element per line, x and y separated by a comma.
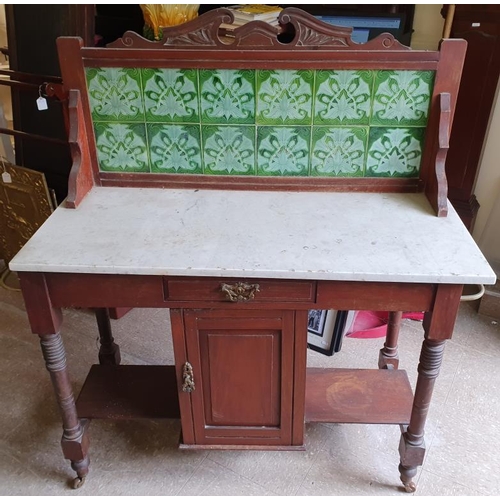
<point>326,329</point>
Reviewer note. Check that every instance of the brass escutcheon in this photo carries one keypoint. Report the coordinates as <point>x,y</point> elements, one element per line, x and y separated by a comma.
<point>188,378</point>
<point>240,292</point>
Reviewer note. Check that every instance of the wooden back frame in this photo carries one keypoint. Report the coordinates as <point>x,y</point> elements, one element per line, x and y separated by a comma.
<point>257,45</point>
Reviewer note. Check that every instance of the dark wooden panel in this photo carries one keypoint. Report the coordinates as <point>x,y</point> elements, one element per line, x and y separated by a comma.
<point>256,375</point>
<point>129,391</point>
<point>44,318</point>
<point>358,396</point>
<point>374,296</point>
<point>480,26</point>
<point>243,371</point>
<point>210,289</point>
<point>299,374</point>
<point>98,290</point>
<point>438,324</point>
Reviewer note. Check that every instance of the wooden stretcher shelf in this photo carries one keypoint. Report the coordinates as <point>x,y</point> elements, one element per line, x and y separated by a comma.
<point>129,391</point>
<point>358,396</point>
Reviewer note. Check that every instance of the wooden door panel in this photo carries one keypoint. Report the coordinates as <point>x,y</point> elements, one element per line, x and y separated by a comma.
<point>241,363</point>
<point>243,372</point>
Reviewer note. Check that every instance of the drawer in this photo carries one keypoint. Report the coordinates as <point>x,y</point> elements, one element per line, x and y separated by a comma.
<point>239,290</point>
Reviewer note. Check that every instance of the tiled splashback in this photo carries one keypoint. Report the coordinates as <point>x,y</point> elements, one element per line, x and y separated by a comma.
<point>260,122</point>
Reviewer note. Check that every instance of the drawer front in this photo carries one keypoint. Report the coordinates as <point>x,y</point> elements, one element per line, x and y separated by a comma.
<point>239,290</point>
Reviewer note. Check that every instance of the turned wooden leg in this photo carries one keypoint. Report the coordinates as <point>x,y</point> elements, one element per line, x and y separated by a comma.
<point>109,352</point>
<point>75,442</point>
<point>388,356</point>
<point>412,446</point>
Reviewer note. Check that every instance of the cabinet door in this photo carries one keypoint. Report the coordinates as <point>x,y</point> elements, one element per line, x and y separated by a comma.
<point>243,373</point>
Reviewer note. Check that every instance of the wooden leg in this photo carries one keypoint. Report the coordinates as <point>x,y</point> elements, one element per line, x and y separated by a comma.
<point>109,352</point>
<point>75,442</point>
<point>412,446</point>
<point>388,356</point>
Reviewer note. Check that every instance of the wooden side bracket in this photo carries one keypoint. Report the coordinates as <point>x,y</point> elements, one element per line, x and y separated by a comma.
<point>443,146</point>
<point>81,179</point>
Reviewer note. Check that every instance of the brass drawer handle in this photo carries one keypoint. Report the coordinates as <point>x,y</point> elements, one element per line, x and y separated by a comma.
<point>188,378</point>
<point>240,292</point>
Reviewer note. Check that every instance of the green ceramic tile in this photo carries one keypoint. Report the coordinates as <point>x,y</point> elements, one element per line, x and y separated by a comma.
<point>394,152</point>
<point>338,151</point>
<point>174,148</point>
<point>343,97</point>
<point>227,96</point>
<point>283,150</point>
<point>402,98</point>
<point>122,147</point>
<point>228,150</point>
<point>170,95</point>
<point>284,97</point>
<point>115,94</point>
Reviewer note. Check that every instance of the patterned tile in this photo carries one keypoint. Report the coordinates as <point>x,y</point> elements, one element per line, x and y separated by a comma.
<point>338,151</point>
<point>122,147</point>
<point>228,150</point>
<point>284,97</point>
<point>227,96</point>
<point>402,98</point>
<point>339,123</point>
<point>174,148</point>
<point>115,94</point>
<point>170,95</point>
<point>283,151</point>
<point>394,152</point>
<point>343,97</point>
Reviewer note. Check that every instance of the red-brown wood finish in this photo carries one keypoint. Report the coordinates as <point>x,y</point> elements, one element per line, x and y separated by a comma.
<point>81,178</point>
<point>243,372</point>
<point>84,171</point>
<point>438,325</point>
<point>240,367</point>
<point>388,355</point>
<point>447,80</point>
<point>77,290</point>
<point>129,392</point>
<point>109,351</point>
<point>347,396</point>
<point>313,45</point>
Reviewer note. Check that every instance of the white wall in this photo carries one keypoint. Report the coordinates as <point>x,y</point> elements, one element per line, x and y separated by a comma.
<point>427,27</point>
<point>487,228</point>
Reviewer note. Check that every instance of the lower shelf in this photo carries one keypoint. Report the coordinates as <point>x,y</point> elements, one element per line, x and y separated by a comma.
<point>332,395</point>
<point>129,391</point>
<point>358,396</point>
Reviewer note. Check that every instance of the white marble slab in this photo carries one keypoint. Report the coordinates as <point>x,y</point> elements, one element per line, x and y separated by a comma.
<point>326,236</point>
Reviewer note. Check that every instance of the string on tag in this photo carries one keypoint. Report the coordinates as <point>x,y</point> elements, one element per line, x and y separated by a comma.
<point>41,102</point>
<point>6,177</point>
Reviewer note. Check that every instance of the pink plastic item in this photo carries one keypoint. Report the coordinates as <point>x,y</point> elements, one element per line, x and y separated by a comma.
<point>373,324</point>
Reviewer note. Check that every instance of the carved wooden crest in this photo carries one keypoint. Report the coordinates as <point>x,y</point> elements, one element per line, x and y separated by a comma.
<point>297,29</point>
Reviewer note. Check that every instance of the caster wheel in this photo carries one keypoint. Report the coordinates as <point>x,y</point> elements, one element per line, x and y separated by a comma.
<point>78,482</point>
<point>410,487</point>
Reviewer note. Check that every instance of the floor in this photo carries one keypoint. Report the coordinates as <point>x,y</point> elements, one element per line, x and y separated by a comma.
<point>141,457</point>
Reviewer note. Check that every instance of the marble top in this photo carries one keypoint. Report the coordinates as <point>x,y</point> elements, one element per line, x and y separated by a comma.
<point>324,236</point>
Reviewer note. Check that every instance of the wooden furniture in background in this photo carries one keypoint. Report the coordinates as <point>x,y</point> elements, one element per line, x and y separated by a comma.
<point>480,26</point>
<point>236,217</point>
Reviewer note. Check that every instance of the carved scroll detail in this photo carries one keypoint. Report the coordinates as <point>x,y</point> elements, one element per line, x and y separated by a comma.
<point>306,32</point>
<point>200,32</point>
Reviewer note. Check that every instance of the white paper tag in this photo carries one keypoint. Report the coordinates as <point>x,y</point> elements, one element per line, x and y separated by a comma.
<point>6,178</point>
<point>41,104</point>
